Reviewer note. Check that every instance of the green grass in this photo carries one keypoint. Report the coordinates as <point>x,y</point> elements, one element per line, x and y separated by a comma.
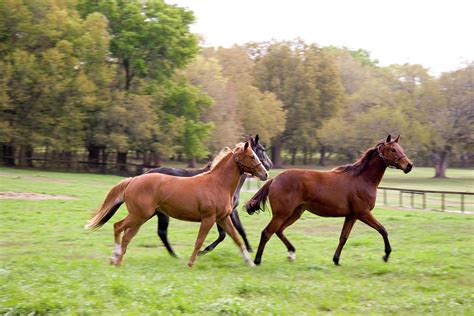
<point>50,265</point>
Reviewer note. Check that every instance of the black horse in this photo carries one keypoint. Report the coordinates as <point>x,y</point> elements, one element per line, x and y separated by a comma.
<point>163,219</point>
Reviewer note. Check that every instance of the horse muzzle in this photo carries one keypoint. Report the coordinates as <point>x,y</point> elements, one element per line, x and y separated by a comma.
<point>408,168</point>
<point>262,175</point>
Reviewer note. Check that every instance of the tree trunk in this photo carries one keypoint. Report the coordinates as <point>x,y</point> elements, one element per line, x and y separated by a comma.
<point>305,155</point>
<point>8,155</point>
<point>192,163</point>
<point>293,156</point>
<point>122,162</point>
<point>103,166</point>
<point>156,159</point>
<point>94,155</point>
<point>29,156</point>
<point>23,162</point>
<point>276,153</point>
<point>322,157</point>
<point>440,163</point>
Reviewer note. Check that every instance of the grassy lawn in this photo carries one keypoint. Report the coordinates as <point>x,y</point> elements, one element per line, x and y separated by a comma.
<point>49,264</point>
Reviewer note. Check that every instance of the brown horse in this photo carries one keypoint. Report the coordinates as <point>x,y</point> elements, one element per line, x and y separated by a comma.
<point>205,198</point>
<point>348,191</point>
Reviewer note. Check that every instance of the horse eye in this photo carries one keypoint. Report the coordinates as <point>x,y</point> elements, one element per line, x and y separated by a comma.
<point>392,149</point>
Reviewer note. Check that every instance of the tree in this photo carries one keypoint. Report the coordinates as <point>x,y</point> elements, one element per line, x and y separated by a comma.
<point>150,39</point>
<point>453,121</point>
<point>305,79</point>
<point>206,73</point>
<point>187,102</point>
<point>49,80</point>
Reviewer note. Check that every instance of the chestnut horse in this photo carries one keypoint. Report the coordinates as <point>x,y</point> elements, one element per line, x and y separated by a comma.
<point>205,198</point>
<point>163,219</point>
<point>348,191</point>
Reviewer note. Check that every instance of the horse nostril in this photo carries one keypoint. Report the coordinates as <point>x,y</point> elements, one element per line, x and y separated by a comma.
<point>409,167</point>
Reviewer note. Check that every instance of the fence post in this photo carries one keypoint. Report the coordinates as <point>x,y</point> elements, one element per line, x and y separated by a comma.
<point>385,196</point>
<point>442,201</point>
<point>462,203</point>
<point>401,198</point>
<point>424,200</point>
<point>412,200</point>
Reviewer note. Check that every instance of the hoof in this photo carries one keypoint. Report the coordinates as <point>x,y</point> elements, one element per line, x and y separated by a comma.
<point>257,262</point>
<point>251,264</point>
<point>190,264</point>
<point>202,252</point>
<point>249,249</point>
<point>291,256</point>
<point>385,258</point>
<point>336,261</point>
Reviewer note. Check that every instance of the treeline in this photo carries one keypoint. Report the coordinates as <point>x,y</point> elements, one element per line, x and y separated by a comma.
<point>122,77</point>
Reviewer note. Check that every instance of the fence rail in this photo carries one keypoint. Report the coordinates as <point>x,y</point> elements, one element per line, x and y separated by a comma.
<point>445,201</point>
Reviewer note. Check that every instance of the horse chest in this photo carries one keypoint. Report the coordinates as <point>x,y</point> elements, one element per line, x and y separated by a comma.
<point>363,200</point>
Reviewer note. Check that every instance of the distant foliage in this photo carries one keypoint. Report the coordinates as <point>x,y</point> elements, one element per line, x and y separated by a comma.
<point>97,78</point>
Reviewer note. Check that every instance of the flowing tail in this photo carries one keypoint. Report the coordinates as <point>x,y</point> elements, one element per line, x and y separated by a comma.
<point>110,205</point>
<point>257,202</point>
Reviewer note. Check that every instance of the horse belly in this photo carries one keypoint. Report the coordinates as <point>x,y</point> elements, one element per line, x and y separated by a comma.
<point>180,213</point>
<point>327,209</point>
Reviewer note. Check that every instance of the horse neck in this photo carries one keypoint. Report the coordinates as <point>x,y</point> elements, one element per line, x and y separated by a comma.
<point>227,173</point>
<point>375,171</point>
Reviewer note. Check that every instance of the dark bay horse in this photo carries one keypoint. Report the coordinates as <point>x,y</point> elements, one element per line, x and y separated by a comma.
<point>163,219</point>
<point>205,198</point>
<point>348,191</point>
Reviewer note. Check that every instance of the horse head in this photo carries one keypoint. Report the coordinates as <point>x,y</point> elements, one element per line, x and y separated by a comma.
<point>248,161</point>
<point>393,154</point>
<point>259,149</point>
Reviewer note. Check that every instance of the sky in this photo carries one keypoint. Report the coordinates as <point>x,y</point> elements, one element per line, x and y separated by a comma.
<point>437,34</point>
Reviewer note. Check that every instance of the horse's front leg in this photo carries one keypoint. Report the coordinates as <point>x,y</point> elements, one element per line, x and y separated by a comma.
<point>219,239</point>
<point>234,216</point>
<point>370,220</point>
<point>226,223</point>
<point>206,225</point>
<point>346,230</point>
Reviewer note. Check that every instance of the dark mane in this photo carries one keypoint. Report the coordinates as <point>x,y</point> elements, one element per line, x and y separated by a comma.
<point>361,164</point>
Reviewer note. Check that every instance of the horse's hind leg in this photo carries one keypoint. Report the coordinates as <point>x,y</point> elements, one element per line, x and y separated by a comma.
<point>267,233</point>
<point>226,223</point>
<point>346,230</point>
<point>119,227</point>
<point>370,220</point>
<point>206,225</point>
<point>289,221</point>
<point>127,237</point>
<point>163,222</point>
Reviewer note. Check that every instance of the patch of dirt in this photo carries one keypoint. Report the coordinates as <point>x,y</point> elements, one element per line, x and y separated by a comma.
<point>33,196</point>
<point>33,178</point>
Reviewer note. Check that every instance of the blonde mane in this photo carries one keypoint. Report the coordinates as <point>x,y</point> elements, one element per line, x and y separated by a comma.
<point>223,153</point>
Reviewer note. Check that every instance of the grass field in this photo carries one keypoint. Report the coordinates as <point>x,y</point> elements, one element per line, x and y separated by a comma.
<point>50,265</point>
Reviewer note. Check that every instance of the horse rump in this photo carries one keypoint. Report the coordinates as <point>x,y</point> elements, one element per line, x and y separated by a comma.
<point>258,201</point>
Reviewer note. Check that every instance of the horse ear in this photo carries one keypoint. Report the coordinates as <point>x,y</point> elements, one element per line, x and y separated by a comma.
<point>246,145</point>
<point>256,139</point>
<point>397,139</point>
<point>389,138</point>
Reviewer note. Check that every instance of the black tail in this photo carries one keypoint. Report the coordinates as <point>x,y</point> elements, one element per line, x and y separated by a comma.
<point>257,202</point>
